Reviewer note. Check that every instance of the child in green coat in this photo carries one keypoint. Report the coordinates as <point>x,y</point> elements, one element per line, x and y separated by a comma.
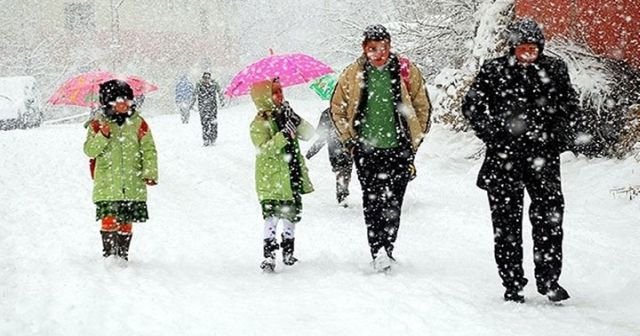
<point>124,161</point>
<point>281,174</point>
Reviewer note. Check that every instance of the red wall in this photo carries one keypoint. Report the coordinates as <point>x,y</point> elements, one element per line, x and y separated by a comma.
<point>610,27</point>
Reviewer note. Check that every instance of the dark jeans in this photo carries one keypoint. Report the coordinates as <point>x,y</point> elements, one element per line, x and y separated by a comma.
<point>545,213</point>
<point>383,175</point>
<point>343,177</point>
<point>209,121</point>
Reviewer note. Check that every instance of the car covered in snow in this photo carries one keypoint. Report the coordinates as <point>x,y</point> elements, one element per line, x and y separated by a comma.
<point>19,103</point>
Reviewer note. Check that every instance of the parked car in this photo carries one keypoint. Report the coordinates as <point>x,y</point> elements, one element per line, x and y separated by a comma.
<point>19,103</point>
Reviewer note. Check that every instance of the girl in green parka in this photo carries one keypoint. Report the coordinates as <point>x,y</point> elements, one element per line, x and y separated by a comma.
<point>281,174</point>
<point>124,161</point>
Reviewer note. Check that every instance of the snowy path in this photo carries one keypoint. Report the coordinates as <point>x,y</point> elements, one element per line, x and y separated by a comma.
<point>194,265</point>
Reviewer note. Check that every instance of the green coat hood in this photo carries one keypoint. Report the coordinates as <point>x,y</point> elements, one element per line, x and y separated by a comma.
<point>262,95</point>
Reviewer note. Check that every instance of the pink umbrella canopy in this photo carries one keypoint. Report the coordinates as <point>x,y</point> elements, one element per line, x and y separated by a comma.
<point>291,69</point>
<point>82,90</point>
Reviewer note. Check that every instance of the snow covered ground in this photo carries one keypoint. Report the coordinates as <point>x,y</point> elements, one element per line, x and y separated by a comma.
<point>193,267</point>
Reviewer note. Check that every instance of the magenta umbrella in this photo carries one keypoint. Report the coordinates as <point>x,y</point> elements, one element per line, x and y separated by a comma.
<point>82,90</point>
<point>291,69</point>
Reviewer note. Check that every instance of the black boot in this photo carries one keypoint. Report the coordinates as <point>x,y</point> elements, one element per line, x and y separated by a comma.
<point>341,197</point>
<point>269,251</point>
<point>109,243</point>
<point>514,293</point>
<point>554,292</point>
<point>389,250</point>
<point>124,241</point>
<point>287,251</point>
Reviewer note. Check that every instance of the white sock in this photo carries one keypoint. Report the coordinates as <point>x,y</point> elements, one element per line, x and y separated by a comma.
<point>288,229</point>
<point>270,225</point>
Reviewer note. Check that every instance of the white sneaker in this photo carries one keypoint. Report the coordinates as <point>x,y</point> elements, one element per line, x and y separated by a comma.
<point>382,262</point>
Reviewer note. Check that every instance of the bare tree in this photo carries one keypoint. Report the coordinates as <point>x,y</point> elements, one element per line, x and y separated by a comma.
<point>436,33</point>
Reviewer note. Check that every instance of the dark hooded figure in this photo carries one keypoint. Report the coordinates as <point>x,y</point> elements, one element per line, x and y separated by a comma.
<point>520,106</point>
<point>339,157</point>
<point>207,93</point>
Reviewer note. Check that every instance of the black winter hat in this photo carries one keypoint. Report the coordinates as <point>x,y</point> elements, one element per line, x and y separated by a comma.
<point>525,31</point>
<point>114,89</point>
<point>376,32</point>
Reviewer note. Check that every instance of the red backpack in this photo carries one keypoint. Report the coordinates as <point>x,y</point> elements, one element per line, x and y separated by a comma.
<point>404,72</point>
<point>95,126</point>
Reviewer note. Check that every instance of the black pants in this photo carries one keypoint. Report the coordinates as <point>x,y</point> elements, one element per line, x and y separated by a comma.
<point>383,175</point>
<point>342,165</point>
<point>343,178</point>
<point>209,121</point>
<point>545,213</point>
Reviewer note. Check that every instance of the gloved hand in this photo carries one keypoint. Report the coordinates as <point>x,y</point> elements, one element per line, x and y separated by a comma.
<point>289,130</point>
<point>279,119</point>
<point>412,172</point>
<point>286,126</point>
<point>350,146</point>
<point>105,129</point>
<point>150,182</point>
<point>295,119</point>
<point>286,120</point>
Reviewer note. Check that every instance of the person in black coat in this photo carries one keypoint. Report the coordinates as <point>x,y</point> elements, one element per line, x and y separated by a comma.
<point>207,93</point>
<point>340,159</point>
<point>520,106</point>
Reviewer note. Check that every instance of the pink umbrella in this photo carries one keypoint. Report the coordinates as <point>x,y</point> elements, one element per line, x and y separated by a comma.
<point>82,90</point>
<point>291,69</point>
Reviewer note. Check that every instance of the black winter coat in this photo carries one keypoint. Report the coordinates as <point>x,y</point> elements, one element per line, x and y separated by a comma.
<point>208,96</point>
<point>521,113</point>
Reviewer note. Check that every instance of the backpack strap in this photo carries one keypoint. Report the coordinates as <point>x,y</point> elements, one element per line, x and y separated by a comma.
<point>95,127</point>
<point>404,72</point>
<point>143,129</point>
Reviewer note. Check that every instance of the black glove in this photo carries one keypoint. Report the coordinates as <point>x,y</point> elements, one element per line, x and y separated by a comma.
<point>412,172</point>
<point>280,119</point>
<point>287,120</point>
<point>289,115</point>
<point>350,146</point>
<point>295,119</point>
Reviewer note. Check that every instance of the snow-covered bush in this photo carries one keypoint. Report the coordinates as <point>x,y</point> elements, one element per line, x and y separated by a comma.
<point>607,90</point>
<point>446,98</point>
<point>606,126</point>
<point>437,34</point>
<point>630,134</point>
